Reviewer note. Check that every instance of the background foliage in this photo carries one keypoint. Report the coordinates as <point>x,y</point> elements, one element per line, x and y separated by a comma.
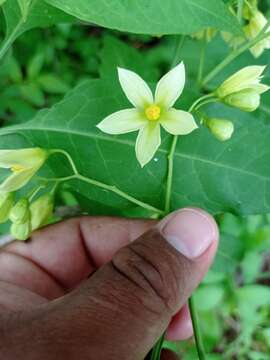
<point>58,82</point>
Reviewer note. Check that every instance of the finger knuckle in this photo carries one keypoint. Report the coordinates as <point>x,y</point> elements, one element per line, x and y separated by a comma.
<point>152,276</point>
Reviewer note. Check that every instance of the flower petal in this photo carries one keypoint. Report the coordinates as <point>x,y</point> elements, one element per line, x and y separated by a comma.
<point>123,121</point>
<point>32,157</point>
<point>170,86</point>
<point>260,88</point>
<point>147,143</point>
<point>17,180</point>
<point>178,122</point>
<point>136,89</point>
<point>245,78</point>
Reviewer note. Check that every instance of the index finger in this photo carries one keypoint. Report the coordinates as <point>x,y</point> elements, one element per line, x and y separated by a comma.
<point>67,252</point>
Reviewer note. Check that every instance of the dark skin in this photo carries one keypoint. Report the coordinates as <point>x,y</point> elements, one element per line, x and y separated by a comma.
<point>70,293</point>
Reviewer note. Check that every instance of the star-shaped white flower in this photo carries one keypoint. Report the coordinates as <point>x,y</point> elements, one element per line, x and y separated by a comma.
<point>150,111</point>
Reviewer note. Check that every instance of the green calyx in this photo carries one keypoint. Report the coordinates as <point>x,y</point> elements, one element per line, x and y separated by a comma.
<point>21,231</point>
<point>20,212</point>
<point>41,211</point>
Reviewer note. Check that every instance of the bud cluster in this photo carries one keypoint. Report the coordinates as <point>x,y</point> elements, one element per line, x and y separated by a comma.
<point>25,216</point>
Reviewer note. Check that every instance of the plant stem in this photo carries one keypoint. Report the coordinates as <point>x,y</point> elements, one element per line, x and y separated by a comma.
<point>156,352</point>
<point>170,175</point>
<point>196,105</point>
<point>234,55</point>
<point>119,192</point>
<point>197,335</point>
<point>202,59</point>
<point>112,188</point>
<point>66,154</point>
<point>196,330</point>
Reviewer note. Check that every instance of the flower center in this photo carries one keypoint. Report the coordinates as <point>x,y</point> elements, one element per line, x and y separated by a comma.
<point>17,168</point>
<point>152,112</point>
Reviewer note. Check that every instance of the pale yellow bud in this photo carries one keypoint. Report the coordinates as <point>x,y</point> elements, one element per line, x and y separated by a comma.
<point>6,203</point>
<point>41,211</point>
<point>20,213</point>
<point>245,100</point>
<point>21,231</point>
<point>243,89</point>
<point>222,129</point>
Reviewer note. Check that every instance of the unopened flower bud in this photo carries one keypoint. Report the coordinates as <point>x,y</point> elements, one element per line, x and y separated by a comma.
<point>41,211</point>
<point>6,203</point>
<point>246,100</point>
<point>21,231</point>
<point>222,129</point>
<point>243,89</point>
<point>20,213</point>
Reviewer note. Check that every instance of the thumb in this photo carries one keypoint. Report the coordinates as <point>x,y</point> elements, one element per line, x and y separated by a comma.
<point>121,311</point>
<point>127,304</point>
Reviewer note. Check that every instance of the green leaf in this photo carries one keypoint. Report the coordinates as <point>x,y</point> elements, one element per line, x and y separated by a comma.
<point>52,84</point>
<point>35,65</point>
<point>32,93</point>
<point>219,177</point>
<point>40,14</point>
<point>208,297</point>
<point>155,17</point>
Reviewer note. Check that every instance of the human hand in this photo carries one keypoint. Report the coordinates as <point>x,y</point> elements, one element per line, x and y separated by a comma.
<point>70,293</point>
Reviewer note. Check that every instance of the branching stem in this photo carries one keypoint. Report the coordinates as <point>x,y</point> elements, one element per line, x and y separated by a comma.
<point>112,188</point>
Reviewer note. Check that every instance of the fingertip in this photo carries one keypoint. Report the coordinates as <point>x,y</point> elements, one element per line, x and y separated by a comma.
<point>191,231</point>
<point>180,327</point>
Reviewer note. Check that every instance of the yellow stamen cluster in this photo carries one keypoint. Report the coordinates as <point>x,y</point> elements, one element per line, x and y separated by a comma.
<point>153,112</point>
